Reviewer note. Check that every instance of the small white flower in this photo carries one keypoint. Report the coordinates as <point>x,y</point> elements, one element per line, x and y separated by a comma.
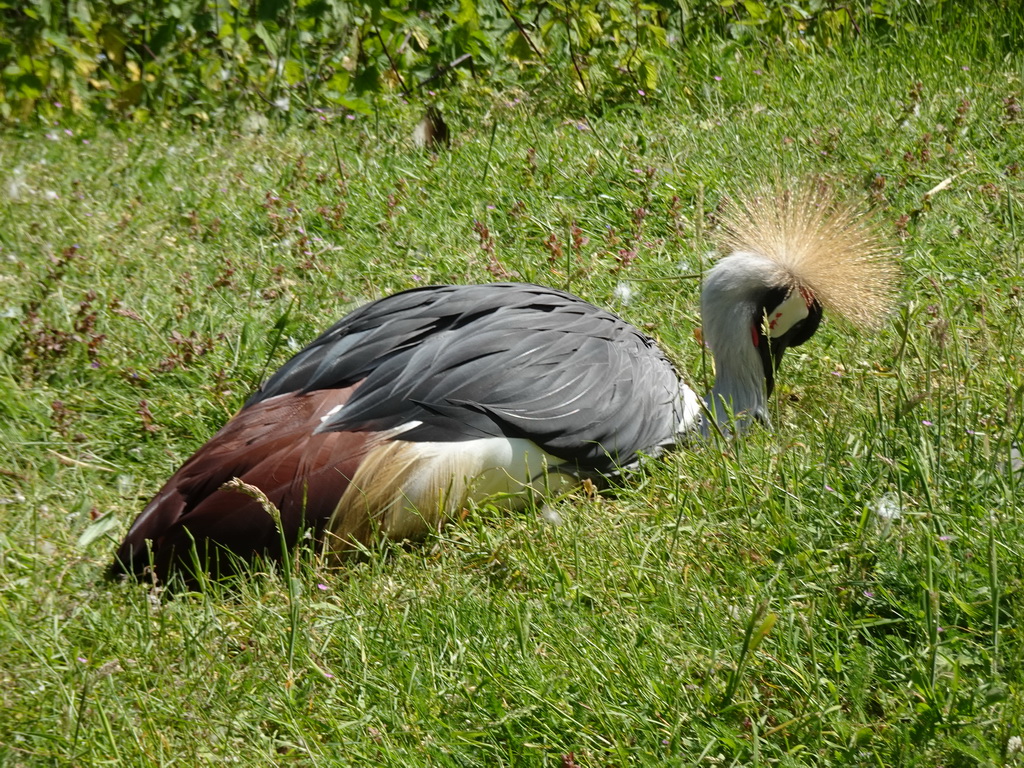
<point>887,508</point>
<point>1014,746</point>
<point>623,292</point>
<point>110,668</point>
<point>283,103</point>
<point>253,124</point>
<point>550,515</point>
<point>125,484</point>
<point>887,511</point>
<point>17,186</point>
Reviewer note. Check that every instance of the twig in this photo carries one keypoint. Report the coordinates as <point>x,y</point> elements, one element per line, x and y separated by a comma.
<point>394,67</point>
<point>337,159</point>
<point>522,31</point>
<point>70,462</point>
<point>262,95</point>
<point>853,20</point>
<point>572,52</point>
<point>447,68</point>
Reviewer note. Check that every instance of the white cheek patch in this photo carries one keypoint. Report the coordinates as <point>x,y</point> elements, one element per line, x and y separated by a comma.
<point>794,308</point>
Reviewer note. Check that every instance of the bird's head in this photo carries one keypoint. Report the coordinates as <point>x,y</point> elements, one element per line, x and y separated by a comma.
<point>752,312</point>
<point>791,255</point>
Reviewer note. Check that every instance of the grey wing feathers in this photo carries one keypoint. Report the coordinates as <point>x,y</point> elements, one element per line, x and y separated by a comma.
<point>497,359</point>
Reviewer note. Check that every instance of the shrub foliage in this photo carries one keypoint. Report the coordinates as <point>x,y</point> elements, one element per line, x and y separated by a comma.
<point>206,58</point>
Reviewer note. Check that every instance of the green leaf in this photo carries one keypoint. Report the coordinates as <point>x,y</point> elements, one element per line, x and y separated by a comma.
<point>293,72</point>
<point>392,15</point>
<point>647,72</point>
<point>30,86</point>
<point>270,10</point>
<point>356,104</point>
<point>338,82</point>
<point>467,15</point>
<point>592,22</point>
<point>755,9</point>
<point>763,630</point>
<point>268,40</point>
<point>98,528</point>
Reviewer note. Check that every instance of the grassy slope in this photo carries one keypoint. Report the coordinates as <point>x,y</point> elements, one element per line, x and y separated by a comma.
<point>731,607</point>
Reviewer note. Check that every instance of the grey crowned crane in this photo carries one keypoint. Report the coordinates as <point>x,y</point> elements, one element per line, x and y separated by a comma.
<point>417,404</point>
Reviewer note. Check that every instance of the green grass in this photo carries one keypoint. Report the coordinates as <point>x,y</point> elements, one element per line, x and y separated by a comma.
<point>729,605</point>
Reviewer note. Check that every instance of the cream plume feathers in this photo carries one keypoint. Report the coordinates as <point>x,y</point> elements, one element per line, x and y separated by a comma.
<point>826,246</point>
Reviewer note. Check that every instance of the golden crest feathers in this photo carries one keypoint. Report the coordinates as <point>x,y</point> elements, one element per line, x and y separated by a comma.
<point>828,247</point>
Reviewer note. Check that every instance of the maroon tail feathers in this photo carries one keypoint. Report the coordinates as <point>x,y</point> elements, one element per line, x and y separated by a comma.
<point>270,445</point>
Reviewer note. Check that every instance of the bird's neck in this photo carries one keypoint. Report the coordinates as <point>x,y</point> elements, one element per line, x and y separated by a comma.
<point>740,394</point>
<point>740,389</point>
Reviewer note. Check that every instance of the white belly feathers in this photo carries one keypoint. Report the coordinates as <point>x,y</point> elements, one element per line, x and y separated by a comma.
<point>412,488</point>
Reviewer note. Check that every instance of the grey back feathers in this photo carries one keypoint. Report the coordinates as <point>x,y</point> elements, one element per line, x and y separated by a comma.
<point>450,363</point>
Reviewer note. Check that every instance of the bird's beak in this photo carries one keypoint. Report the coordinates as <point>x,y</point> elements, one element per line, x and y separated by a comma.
<point>777,347</point>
